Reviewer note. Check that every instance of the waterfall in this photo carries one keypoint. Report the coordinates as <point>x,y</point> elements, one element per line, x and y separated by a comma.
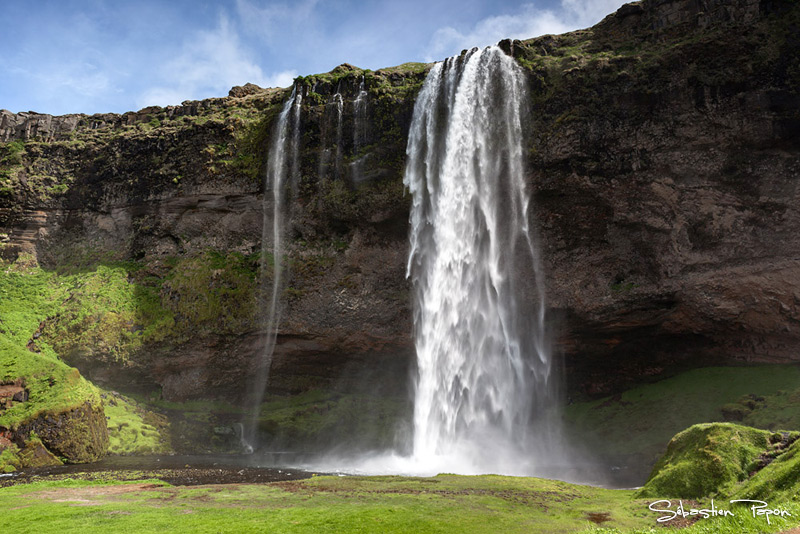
<point>337,98</point>
<point>484,387</point>
<point>360,117</point>
<point>359,130</point>
<point>280,180</point>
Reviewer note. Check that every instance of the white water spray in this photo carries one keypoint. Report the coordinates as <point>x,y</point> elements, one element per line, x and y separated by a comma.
<point>484,385</point>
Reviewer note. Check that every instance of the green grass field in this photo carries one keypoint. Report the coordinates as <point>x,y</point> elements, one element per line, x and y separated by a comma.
<point>441,504</point>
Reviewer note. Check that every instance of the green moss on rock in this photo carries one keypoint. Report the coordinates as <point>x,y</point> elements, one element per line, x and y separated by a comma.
<point>61,407</point>
<point>779,479</point>
<point>112,313</point>
<point>103,316</point>
<point>79,435</point>
<point>706,459</point>
<point>212,292</point>
<point>32,454</point>
<point>35,454</point>
<point>133,429</point>
<point>327,419</point>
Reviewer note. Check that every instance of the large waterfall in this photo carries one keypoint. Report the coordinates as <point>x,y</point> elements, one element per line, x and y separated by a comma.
<point>484,390</point>
<point>282,170</point>
<point>484,383</point>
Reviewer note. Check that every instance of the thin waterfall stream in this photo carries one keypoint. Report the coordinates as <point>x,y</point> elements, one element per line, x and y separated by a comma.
<point>359,131</point>
<point>339,102</point>
<point>282,170</point>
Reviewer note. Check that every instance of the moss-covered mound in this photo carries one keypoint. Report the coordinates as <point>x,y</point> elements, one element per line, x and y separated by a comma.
<point>710,459</point>
<point>79,435</point>
<point>54,411</point>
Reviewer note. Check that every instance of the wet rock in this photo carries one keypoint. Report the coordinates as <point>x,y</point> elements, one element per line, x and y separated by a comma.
<point>11,393</point>
<point>35,454</point>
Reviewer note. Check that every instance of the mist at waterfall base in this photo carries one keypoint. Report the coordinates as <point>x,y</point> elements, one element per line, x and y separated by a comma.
<point>485,387</point>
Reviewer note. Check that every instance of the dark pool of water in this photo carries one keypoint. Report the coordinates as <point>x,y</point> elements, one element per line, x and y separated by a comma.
<point>183,470</point>
<point>175,470</point>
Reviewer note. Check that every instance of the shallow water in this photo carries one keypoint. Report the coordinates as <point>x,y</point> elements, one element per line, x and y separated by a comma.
<point>175,470</point>
<point>260,468</point>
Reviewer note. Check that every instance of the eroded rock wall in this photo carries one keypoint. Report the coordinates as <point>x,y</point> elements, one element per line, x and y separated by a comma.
<point>663,159</point>
<point>665,164</point>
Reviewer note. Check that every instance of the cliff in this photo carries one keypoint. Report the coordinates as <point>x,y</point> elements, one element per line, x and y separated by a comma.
<point>662,155</point>
<point>664,151</point>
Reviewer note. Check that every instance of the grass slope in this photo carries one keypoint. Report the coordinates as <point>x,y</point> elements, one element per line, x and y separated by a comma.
<point>106,313</point>
<point>28,295</point>
<point>779,480</point>
<point>446,503</point>
<point>641,421</point>
<point>133,429</point>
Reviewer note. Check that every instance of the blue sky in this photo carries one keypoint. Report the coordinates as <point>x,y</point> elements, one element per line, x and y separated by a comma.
<point>96,56</point>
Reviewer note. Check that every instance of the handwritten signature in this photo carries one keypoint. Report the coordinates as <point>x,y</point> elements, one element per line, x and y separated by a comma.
<point>757,508</point>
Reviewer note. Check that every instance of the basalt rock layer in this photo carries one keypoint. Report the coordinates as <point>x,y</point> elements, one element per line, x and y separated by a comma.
<point>663,151</point>
<point>664,164</point>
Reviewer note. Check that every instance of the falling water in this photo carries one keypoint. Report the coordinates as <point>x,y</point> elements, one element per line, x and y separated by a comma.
<point>282,170</point>
<point>360,116</point>
<point>337,99</point>
<point>359,129</point>
<point>484,383</point>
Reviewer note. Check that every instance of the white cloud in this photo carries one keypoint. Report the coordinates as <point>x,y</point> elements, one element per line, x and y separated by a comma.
<point>273,20</point>
<point>281,79</point>
<point>585,13</point>
<point>161,96</point>
<point>530,22</point>
<point>209,63</point>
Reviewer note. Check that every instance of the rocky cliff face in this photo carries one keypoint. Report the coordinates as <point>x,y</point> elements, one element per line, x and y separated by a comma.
<point>663,152</point>
<point>178,194</point>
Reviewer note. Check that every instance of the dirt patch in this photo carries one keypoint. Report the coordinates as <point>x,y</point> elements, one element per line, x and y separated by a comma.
<point>91,495</point>
<point>292,486</point>
<point>598,517</point>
